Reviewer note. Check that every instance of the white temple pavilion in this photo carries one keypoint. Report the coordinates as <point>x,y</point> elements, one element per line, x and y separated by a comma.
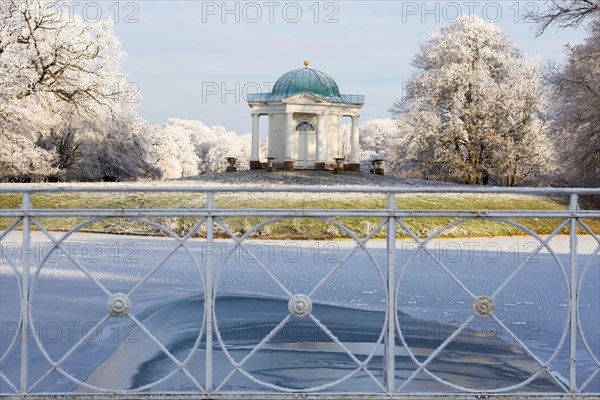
<point>305,111</point>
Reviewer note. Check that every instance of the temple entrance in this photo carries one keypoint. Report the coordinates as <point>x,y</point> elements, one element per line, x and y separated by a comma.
<point>307,145</point>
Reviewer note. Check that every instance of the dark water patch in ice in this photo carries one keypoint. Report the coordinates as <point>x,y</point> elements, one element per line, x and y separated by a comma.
<point>305,356</point>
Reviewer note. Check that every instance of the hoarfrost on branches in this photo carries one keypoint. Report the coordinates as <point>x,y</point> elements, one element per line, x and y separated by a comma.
<point>59,81</point>
<point>564,13</point>
<point>381,139</point>
<point>576,105</point>
<point>474,109</point>
<point>186,148</point>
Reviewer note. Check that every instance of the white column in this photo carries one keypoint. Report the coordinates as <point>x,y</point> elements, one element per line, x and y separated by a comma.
<point>288,136</point>
<point>339,139</point>
<point>354,158</point>
<point>320,137</point>
<point>270,144</point>
<point>255,131</point>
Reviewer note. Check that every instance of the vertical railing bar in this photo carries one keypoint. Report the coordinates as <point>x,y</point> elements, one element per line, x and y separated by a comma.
<point>209,308</point>
<point>390,338</point>
<point>25,205</point>
<point>573,205</point>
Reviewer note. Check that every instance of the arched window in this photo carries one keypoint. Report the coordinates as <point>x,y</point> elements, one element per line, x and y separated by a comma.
<point>305,126</point>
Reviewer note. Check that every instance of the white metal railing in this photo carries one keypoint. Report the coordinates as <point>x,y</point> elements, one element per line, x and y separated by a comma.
<point>203,383</point>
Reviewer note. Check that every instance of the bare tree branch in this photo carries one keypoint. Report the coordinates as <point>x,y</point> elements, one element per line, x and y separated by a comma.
<point>564,14</point>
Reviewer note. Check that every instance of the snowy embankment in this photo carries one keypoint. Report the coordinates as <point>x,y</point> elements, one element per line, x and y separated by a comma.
<point>263,192</point>
<point>308,178</point>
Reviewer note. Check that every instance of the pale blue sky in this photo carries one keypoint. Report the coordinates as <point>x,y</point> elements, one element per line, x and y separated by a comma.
<point>181,54</point>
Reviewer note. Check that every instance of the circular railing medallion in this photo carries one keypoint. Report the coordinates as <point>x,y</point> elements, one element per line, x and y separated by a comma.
<point>118,305</point>
<point>483,306</point>
<point>300,305</point>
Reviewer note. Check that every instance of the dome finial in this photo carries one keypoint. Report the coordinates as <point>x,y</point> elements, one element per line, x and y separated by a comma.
<point>306,64</point>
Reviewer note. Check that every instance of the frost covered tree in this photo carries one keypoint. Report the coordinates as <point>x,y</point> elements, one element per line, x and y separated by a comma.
<point>213,145</point>
<point>344,141</point>
<point>58,75</point>
<point>263,149</point>
<point>21,158</point>
<point>115,150</point>
<point>46,52</point>
<point>184,148</point>
<point>380,139</point>
<point>576,92</point>
<point>65,142</point>
<point>177,155</point>
<point>474,109</point>
<point>376,135</point>
<point>576,110</point>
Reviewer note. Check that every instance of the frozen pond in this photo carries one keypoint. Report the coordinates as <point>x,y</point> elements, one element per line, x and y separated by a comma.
<point>253,287</point>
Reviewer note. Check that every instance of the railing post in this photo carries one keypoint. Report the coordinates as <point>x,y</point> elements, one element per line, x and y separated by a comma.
<point>209,309</point>
<point>390,337</point>
<point>574,296</point>
<point>25,205</point>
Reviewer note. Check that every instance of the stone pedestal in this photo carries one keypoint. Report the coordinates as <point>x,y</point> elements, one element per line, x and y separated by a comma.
<point>289,165</point>
<point>254,165</point>
<point>271,164</point>
<point>378,167</point>
<point>339,165</point>
<point>354,167</point>
<point>231,161</point>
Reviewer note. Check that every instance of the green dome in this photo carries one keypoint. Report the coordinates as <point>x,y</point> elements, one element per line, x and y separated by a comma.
<point>305,80</point>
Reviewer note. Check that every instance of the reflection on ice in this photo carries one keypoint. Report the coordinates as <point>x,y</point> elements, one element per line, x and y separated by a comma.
<point>288,359</point>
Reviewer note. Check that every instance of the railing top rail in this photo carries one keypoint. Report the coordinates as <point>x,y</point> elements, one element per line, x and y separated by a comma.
<point>161,188</point>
